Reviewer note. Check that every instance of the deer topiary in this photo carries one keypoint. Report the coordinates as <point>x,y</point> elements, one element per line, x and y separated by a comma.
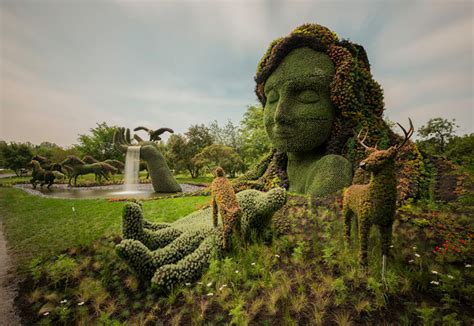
<point>374,203</point>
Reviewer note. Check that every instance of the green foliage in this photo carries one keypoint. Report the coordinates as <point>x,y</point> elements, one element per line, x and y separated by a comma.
<point>255,141</point>
<point>100,143</point>
<point>16,156</point>
<point>229,135</point>
<point>460,150</point>
<point>437,132</point>
<point>53,152</point>
<point>219,155</point>
<point>186,246</point>
<point>61,271</point>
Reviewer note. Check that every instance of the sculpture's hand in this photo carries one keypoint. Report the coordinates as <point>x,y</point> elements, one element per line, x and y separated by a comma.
<point>161,177</point>
<point>123,139</point>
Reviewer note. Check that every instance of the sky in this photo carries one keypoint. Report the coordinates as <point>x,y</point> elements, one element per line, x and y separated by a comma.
<point>67,65</point>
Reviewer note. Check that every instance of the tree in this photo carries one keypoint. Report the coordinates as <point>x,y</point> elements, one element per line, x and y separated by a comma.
<point>229,135</point>
<point>99,144</point>
<point>436,134</point>
<point>199,136</point>
<point>3,144</point>
<point>461,150</point>
<point>17,156</point>
<point>254,139</point>
<point>180,153</point>
<point>220,155</point>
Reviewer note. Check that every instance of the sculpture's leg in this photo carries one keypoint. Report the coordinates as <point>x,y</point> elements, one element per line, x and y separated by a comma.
<point>137,256</point>
<point>347,214</point>
<point>364,228</point>
<point>386,237</point>
<point>75,179</point>
<point>215,212</point>
<point>70,178</point>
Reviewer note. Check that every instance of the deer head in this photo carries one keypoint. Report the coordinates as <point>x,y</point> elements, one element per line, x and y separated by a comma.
<point>378,158</point>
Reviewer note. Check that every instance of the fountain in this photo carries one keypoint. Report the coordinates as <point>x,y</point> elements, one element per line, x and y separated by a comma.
<point>132,164</point>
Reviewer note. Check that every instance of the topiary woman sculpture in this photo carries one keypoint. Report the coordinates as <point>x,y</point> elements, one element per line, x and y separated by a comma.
<point>374,203</point>
<point>315,89</point>
<point>170,254</point>
<point>161,177</point>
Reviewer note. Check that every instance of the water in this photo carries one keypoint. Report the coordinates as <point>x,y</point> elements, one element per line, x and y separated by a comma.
<point>132,166</point>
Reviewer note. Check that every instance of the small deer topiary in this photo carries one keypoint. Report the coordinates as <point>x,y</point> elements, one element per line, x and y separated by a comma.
<point>224,201</point>
<point>374,203</point>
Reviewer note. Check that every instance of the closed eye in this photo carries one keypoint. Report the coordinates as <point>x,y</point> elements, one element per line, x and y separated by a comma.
<point>308,96</point>
<point>272,97</point>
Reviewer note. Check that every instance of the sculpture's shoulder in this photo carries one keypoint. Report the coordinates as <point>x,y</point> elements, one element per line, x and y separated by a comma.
<point>329,174</point>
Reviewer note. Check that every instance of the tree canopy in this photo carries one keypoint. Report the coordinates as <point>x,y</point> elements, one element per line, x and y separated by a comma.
<point>99,144</point>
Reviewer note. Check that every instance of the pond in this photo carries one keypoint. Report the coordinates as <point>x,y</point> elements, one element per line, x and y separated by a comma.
<point>110,191</point>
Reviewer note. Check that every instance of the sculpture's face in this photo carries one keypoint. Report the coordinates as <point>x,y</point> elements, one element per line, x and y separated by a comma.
<point>298,114</point>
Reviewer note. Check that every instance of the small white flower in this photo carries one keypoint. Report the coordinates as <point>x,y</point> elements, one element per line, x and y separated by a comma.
<point>414,247</point>
<point>236,271</point>
<point>391,246</point>
<point>277,256</point>
<point>253,264</point>
<point>210,294</point>
<point>434,282</point>
<point>188,284</point>
<point>46,313</point>
<point>451,277</point>
<point>209,284</point>
<point>222,287</point>
<point>468,265</point>
<point>434,272</point>
<point>200,283</point>
<point>417,255</point>
<point>63,301</point>
<point>80,303</point>
<point>411,261</point>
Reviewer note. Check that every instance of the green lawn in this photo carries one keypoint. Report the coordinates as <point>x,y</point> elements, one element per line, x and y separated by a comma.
<point>37,227</point>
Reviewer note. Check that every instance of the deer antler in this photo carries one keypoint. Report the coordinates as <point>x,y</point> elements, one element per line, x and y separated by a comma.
<point>407,134</point>
<point>362,141</point>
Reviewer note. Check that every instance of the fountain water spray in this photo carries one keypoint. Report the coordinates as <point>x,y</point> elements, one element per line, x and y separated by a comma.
<point>132,166</point>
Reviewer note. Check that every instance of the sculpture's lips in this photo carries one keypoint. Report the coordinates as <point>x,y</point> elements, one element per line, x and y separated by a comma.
<point>292,128</point>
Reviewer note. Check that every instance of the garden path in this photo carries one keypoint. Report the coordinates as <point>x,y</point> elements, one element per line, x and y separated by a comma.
<point>8,315</point>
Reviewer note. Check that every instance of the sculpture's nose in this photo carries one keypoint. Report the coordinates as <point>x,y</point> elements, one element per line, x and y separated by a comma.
<point>281,112</point>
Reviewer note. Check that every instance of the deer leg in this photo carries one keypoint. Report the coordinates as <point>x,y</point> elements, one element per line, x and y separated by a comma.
<point>75,180</point>
<point>214,212</point>
<point>386,236</point>
<point>347,214</point>
<point>364,228</point>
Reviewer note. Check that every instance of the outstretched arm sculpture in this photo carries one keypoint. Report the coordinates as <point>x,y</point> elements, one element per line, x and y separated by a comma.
<point>161,177</point>
<point>170,254</point>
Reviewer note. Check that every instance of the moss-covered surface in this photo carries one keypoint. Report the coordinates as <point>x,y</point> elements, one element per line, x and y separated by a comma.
<point>347,96</point>
<point>172,254</point>
<point>373,203</point>
<point>304,276</point>
<point>161,177</point>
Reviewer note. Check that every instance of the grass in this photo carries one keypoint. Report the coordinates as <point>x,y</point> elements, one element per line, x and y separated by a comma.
<point>38,227</point>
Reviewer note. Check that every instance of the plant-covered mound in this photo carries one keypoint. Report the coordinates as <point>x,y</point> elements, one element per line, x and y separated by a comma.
<point>171,254</point>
